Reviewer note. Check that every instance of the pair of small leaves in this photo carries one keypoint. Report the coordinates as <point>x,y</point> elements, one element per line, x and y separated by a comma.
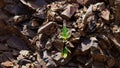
<point>65,34</point>
<point>65,51</point>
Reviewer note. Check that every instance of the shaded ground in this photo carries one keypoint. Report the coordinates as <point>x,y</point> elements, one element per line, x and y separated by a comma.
<point>31,33</point>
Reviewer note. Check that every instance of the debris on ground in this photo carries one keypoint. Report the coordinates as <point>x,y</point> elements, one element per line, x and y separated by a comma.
<point>59,33</point>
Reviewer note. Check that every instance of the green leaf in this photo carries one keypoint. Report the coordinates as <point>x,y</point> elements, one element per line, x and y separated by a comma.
<point>65,34</point>
<point>65,51</point>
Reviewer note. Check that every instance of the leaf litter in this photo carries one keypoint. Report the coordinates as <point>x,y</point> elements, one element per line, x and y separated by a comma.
<point>32,34</point>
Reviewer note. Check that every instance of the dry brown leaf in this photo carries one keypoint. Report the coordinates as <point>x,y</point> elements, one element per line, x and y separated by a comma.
<point>105,14</point>
<point>7,63</point>
<point>70,10</point>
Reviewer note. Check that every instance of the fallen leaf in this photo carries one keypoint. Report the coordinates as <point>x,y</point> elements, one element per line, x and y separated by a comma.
<point>70,10</point>
<point>105,14</point>
<point>7,64</point>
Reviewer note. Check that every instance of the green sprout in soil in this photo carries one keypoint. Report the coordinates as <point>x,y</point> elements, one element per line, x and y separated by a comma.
<point>65,35</point>
<point>65,51</point>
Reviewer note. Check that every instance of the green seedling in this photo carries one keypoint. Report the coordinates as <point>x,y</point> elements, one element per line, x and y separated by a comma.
<point>65,35</point>
<point>65,51</point>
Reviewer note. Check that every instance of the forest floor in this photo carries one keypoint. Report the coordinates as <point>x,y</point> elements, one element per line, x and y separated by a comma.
<point>59,33</point>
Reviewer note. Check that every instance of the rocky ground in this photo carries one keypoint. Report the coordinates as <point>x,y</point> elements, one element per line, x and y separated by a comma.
<point>59,33</point>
